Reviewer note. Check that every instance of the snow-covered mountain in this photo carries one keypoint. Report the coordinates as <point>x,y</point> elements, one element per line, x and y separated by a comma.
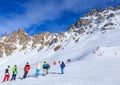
<point>92,44</point>
<point>96,20</point>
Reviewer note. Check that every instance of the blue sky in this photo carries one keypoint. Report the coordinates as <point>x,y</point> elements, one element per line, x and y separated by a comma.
<point>35,16</point>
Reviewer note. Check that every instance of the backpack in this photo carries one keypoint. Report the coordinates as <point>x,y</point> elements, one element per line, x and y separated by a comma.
<point>48,66</point>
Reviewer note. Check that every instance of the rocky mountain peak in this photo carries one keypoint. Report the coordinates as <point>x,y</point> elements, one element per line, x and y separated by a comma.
<point>93,20</point>
<point>21,32</point>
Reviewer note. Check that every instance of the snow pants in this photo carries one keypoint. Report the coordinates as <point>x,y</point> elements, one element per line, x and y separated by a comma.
<point>45,72</point>
<point>13,77</point>
<point>62,70</point>
<point>6,77</point>
<point>25,74</point>
<point>37,72</point>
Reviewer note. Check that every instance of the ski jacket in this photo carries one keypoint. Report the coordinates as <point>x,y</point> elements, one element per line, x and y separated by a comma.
<point>48,66</point>
<point>54,62</point>
<point>45,66</point>
<point>27,68</point>
<point>15,70</point>
<point>62,65</point>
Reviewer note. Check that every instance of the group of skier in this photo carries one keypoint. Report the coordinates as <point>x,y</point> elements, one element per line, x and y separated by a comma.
<point>45,67</point>
<point>7,74</point>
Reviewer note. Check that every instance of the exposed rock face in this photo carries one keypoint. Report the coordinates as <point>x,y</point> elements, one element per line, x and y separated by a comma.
<point>108,26</point>
<point>71,28</point>
<point>1,53</point>
<point>9,48</point>
<point>9,41</point>
<point>91,22</point>
<point>13,37</point>
<point>1,48</point>
<point>43,38</point>
<point>23,37</point>
<point>57,47</point>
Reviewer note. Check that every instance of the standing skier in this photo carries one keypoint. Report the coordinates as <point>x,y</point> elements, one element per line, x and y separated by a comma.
<point>54,62</point>
<point>15,71</point>
<point>62,65</point>
<point>7,74</point>
<point>45,68</point>
<point>26,70</point>
<point>37,69</point>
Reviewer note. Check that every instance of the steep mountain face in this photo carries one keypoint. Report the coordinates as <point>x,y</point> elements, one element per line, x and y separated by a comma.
<point>96,20</point>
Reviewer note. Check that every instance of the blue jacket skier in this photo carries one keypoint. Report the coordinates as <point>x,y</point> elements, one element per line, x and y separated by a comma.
<point>46,66</point>
<point>62,65</point>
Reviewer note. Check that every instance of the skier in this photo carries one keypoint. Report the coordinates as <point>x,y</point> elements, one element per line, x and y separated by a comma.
<point>37,69</point>
<point>26,70</point>
<point>7,74</point>
<point>62,65</point>
<point>59,62</point>
<point>54,62</point>
<point>15,71</point>
<point>45,68</point>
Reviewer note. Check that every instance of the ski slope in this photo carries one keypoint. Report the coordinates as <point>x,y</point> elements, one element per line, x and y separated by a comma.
<point>95,61</point>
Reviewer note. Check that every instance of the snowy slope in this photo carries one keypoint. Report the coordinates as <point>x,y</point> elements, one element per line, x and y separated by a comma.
<point>95,60</point>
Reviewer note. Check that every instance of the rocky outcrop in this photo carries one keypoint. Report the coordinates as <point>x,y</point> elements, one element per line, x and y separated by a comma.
<point>43,38</point>
<point>23,37</point>
<point>108,26</point>
<point>93,12</point>
<point>1,48</point>
<point>9,48</point>
<point>13,37</point>
<point>71,28</point>
<point>91,22</point>
<point>57,47</point>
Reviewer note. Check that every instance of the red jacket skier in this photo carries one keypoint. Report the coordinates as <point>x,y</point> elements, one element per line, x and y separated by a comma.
<point>26,70</point>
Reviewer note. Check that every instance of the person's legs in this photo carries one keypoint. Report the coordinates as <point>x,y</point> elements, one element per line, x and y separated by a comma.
<point>5,77</point>
<point>25,74</point>
<point>44,72</point>
<point>37,72</point>
<point>8,76</point>
<point>14,77</point>
<point>62,70</point>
